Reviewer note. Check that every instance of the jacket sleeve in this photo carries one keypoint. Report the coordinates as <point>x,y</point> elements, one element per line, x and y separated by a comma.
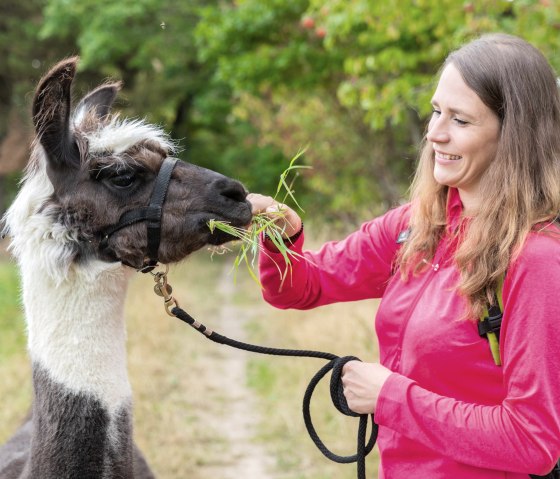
<point>522,434</point>
<point>357,267</point>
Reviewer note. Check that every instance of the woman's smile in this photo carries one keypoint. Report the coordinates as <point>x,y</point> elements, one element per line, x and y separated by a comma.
<point>444,158</point>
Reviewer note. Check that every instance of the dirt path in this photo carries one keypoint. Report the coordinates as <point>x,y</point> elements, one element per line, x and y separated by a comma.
<point>243,455</point>
<point>195,415</point>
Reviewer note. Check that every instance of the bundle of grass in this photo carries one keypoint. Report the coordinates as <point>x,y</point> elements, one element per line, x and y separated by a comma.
<point>264,223</point>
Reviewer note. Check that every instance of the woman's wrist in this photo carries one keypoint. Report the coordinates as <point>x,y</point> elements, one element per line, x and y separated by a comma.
<point>293,238</point>
<point>290,239</point>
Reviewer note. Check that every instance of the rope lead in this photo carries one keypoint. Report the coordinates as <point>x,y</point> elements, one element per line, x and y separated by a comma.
<point>335,364</point>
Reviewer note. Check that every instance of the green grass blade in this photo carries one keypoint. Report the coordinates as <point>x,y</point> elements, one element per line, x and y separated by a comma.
<point>250,245</point>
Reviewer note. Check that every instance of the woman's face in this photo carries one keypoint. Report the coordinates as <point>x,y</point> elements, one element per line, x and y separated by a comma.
<point>464,134</point>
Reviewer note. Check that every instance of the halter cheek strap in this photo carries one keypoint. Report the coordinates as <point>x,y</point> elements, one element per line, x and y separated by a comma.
<point>151,214</point>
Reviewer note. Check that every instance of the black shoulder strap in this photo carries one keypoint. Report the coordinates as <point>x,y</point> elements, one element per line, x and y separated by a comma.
<point>554,474</point>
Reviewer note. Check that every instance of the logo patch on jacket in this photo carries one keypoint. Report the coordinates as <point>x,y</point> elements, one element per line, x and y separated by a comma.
<point>403,236</point>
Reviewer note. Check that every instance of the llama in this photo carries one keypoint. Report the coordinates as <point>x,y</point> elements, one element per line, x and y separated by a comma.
<point>89,171</point>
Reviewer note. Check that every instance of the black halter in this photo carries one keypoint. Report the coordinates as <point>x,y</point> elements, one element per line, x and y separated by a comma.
<point>151,213</point>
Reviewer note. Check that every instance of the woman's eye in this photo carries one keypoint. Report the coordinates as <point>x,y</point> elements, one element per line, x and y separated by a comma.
<point>123,181</point>
<point>435,112</point>
<point>460,122</point>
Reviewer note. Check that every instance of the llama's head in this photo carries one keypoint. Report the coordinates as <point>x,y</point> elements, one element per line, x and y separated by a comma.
<point>88,168</point>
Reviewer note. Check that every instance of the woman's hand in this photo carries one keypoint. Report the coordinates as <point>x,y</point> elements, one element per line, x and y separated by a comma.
<point>362,383</point>
<point>286,218</point>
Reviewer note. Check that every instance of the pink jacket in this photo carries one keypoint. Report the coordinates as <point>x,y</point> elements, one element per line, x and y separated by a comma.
<point>447,411</point>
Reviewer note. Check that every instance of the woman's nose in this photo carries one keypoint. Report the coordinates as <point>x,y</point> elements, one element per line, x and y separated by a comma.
<point>437,131</point>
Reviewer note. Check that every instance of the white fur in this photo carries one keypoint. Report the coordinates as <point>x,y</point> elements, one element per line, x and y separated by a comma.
<point>79,115</point>
<point>119,135</point>
<point>33,234</point>
<point>74,312</point>
<point>76,329</point>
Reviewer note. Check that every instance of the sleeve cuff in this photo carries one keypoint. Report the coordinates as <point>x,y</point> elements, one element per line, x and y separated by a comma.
<point>294,242</point>
<point>391,398</point>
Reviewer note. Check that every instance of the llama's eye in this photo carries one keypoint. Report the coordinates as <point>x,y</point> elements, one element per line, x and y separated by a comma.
<point>123,181</point>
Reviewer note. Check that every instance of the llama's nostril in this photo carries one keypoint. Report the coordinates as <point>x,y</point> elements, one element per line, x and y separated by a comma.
<point>234,191</point>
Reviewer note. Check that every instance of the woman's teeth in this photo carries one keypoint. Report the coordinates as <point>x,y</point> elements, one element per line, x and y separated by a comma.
<point>448,157</point>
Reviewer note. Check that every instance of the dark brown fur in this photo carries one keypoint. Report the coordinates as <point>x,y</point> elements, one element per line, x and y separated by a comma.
<point>86,202</point>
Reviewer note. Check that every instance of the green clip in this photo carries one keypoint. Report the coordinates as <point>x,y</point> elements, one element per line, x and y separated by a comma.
<point>492,338</point>
<point>494,347</point>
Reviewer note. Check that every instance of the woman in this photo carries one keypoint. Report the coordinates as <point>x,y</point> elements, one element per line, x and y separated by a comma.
<point>484,201</point>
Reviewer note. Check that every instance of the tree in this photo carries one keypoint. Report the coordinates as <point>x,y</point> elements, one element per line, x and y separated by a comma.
<point>246,83</point>
<point>369,64</point>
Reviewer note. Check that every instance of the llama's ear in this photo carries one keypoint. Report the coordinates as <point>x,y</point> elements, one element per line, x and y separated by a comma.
<point>51,113</point>
<point>97,102</point>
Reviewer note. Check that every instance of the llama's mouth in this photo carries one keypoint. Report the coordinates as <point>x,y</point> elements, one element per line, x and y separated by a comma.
<point>217,236</point>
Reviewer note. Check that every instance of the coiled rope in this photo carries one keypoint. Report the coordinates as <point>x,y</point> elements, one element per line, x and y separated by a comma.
<point>335,364</point>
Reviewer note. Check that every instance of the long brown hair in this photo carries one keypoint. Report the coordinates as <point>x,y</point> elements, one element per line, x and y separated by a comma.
<point>520,188</point>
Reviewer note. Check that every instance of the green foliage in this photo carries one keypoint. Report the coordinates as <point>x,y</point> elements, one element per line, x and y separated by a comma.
<point>245,82</point>
<point>21,55</point>
<point>147,42</point>
<point>376,57</point>
<point>258,44</point>
<point>391,56</point>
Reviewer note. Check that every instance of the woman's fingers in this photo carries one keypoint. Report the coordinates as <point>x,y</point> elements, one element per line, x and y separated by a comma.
<point>259,203</point>
<point>362,383</point>
<point>286,218</point>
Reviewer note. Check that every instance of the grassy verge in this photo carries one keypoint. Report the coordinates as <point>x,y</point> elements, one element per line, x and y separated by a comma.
<point>11,323</point>
<point>15,383</point>
<point>172,372</point>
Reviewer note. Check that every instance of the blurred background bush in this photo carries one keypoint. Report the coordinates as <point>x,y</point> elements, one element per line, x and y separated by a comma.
<point>244,84</point>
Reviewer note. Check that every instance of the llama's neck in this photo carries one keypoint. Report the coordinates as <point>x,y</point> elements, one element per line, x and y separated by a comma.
<point>82,408</point>
<point>82,414</point>
<point>76,330</point>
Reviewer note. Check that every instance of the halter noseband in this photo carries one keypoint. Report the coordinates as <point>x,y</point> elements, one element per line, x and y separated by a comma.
<point>151,214</point>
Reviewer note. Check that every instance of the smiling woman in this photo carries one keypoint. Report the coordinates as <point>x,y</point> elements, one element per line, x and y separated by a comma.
<point>464,133</point>
<point>484,200</point>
